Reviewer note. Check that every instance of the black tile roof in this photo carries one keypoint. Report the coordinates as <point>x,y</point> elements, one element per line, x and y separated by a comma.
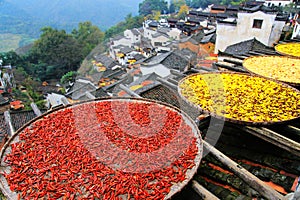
<point>3,126</point>
<point>246,46</point>
<point>18,119</point>
<point>126,50</point>
<point>107,61</point>
<point>135,31</point>
<point>175,61</point>
<point>167,95</point>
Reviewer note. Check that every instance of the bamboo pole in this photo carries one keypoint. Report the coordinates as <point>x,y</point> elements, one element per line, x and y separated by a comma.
<point>294,128</point>
<point>245,175</point>
<point>202,192</point>
<point>274,138</point>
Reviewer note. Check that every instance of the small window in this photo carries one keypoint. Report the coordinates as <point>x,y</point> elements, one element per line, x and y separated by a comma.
<point>257,23</point>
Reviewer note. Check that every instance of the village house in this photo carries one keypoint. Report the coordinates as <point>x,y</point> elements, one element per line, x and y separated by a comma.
<point>201,43</point>
<point>271,3</point>
<point>134,35</point>
<point>257,22</point>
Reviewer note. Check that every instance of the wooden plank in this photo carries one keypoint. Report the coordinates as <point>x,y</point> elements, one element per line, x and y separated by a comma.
<point>202,192</point>
<point>274,138</point>
<point>245,175</point>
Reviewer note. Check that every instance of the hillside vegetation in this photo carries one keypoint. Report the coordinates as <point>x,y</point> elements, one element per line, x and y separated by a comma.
<point>26,18</point>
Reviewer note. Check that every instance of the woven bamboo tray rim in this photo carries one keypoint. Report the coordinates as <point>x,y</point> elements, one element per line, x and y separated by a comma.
<point>286,54</point>
<point>232,120</point>
<point>294,84</point>
<point>174,189</point>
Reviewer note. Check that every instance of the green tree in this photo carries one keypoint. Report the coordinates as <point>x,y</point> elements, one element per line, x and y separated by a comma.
<point>202,3</point>
<point>172,7</point>
<point>147,6</point>
<point>69,76</point>
<point>55,53</point>
<point>129,23</point>
<point>188,2</point>
<point>177,4</point>
<point>88,35</point>
<point>183,11</point>
<point>11,58</point>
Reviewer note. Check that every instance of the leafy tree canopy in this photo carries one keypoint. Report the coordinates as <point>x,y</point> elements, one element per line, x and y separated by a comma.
<point>88,35</point>
<point>177,4</point>
<point>129,23</point>
<point>69,76</point>
<point>147,6</point>
<point>183,11</point>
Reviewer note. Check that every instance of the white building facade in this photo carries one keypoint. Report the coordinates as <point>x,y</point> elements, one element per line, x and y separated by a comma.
<point>262,26</point>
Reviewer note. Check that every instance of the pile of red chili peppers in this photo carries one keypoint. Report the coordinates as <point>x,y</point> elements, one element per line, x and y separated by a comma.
<point>102,150</point>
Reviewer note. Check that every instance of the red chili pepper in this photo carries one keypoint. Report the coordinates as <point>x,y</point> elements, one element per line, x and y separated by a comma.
<point>90,151</point>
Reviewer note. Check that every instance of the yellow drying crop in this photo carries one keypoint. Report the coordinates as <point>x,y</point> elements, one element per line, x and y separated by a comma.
<point>282,68</point>
<point>241,97</point>
<point>292,49</point>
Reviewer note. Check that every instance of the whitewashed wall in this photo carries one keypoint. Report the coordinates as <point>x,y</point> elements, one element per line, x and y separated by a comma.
<point>228,34</point>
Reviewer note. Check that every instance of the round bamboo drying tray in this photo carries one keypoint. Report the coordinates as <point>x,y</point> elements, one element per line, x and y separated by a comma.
<point>172,187</point>
<point>235,103</point>
<point>289,49</point>
<point>280,68</point>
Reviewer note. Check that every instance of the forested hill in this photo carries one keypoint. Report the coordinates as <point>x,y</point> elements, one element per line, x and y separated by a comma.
<point>27,16</point>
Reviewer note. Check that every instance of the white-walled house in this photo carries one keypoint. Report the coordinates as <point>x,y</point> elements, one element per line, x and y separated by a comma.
<point>159,39</point>
<point>148,32</point>
<point>283,3</point>
<point>264,26</point>
<point>134,35</point>
<point>174,33</point>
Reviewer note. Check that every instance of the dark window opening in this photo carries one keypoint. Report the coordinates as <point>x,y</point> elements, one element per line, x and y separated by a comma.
<point>257,23</point>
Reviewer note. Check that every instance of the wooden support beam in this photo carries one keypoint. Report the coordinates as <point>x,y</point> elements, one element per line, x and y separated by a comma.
<point>274,138</point>
<point>234,61</point>
<point>202,192</point>
<point>230,68</point>
<point>250,179</point>
<point>177,73</point>
<point>256,53</point>
<point>173,81</point>
<point>129,91</point>
<point>35,109</point>
<point>264,51</point>
<point>294,128</point>
<point>198,70</point>
<point>7,119</point>
<point>207,69</point>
